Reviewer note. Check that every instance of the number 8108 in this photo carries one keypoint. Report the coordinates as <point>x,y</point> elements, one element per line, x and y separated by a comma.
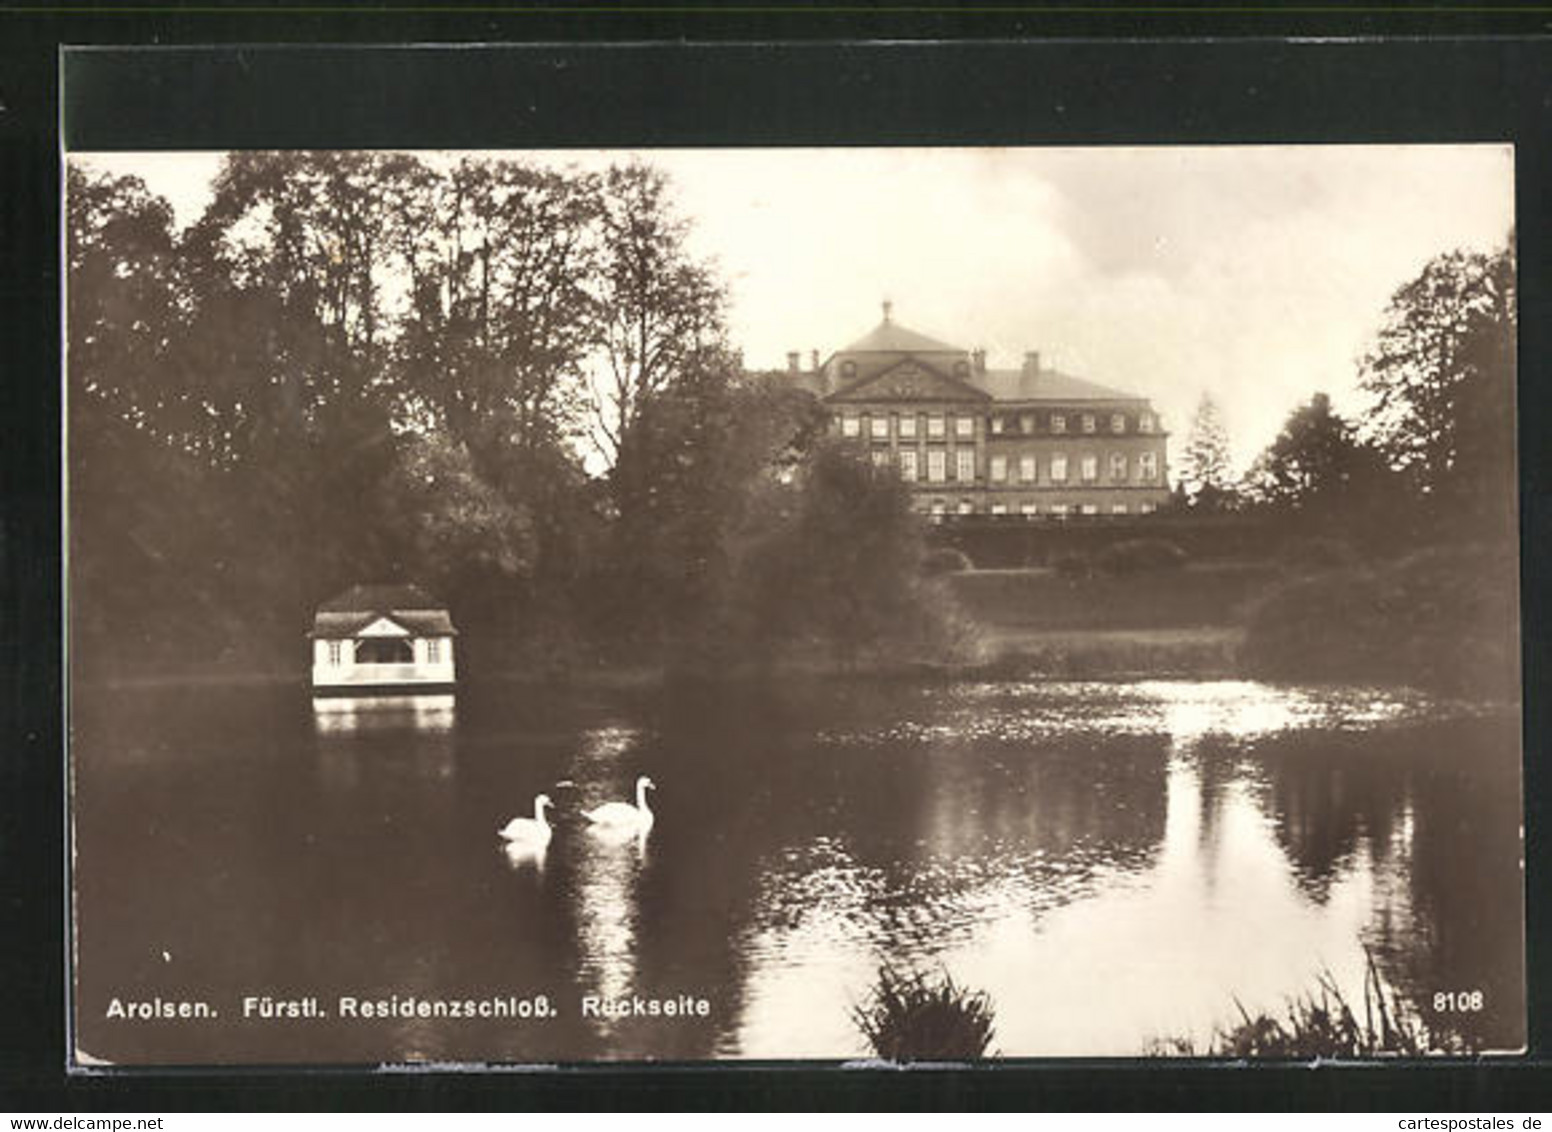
<point>1457,1002</point>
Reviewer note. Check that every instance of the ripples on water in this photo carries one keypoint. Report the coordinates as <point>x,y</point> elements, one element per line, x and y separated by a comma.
<point>1111,862</point>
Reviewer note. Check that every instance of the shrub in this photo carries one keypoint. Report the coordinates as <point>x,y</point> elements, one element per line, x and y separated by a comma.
<point>945,560</point>
<point>1444,619</point>
<point>1314,555</point>
<point>913,1018</point>
<point>1073,565</point>
<point>1139,555</point>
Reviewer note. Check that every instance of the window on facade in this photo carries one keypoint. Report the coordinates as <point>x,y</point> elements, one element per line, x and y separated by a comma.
<point>1058,422</point>
<point>1091,509</point>
<point>1118,423</point>
<point>964,464</point>
<point>1027,423</point>
<point>879,426</point>
<point>964,428</point>
<point>1059,468</point>
<point>908,426</point>
<point>1028,510</point>
<point>937,465</point>
<point>939,508</point>
<point>1088,422</point>
<point>1090,468</point>
<point>851,425</point>
<point>908,465</point>
<point>1061,510</point>
<point>996,426</point>
<point>881,458</point>
<point>1148,508</point>
<point>1027,469</point>
<point>848,369</point>
<point>1117,466</point>
<point>966,507</point>
<point>433,651</point>
<point>935,426</point>
<point>999,469</point>
<point>1148,465</point>
<point>335,649</point>
<point>1145,422</point>
<point>1118,508</point>
<point>999,508</point>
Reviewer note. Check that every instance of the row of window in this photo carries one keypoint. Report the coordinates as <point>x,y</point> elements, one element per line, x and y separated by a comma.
<point>1003,469</point>
<point>1028,509</point>
<point>905,425</point>
<point>383,651</point>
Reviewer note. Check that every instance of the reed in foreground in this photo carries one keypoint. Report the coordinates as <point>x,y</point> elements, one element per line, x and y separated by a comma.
<point>1321,1023</point>
<point>912,1017</point>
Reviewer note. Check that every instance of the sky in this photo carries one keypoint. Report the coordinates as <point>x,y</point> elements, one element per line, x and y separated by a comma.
<point>1258,275</point>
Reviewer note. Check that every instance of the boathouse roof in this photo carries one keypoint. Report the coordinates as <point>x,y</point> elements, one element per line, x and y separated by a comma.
<point>410,607</point>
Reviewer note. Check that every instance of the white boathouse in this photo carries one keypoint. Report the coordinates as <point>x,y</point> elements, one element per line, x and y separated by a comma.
<point>382,639</point>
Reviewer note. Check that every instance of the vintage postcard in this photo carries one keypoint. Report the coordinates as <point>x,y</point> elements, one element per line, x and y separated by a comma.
<point>549,607</point>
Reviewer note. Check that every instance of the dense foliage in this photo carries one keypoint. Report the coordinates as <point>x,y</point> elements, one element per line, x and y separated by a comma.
<point>505,381</point>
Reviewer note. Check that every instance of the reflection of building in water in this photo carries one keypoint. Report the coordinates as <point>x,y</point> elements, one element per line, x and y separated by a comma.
<point>410,735</point>
<point>382,638</point>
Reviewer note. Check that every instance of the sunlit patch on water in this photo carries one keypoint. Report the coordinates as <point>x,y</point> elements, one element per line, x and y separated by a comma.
<point>1185,711</point>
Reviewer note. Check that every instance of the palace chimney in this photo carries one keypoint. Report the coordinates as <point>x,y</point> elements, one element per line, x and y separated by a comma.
<point>1032,363</point>
<point>792,361</point>
<point>813,360</point>
<point>978,361</point>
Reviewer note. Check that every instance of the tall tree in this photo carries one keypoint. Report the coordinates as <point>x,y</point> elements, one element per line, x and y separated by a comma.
<point>1441,374</point>
<point>658,308</point>
<point>1205,471</point>
<point>1312,461</point>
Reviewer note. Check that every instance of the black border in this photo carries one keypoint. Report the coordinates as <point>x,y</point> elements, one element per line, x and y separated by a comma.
<point>797,87</point>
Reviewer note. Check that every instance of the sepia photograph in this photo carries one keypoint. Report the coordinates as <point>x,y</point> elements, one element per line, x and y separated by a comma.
<point>548,607</point>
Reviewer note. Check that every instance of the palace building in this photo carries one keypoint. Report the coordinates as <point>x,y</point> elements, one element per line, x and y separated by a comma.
<point>1031,443</point>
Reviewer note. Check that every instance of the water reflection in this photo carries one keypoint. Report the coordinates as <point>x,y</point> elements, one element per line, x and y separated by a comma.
<point>355,715</point>
<point>1111,862</point>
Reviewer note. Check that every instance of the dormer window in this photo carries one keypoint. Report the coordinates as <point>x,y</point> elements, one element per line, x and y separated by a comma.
<point>1058,422</point>
<point>1088,422</point>
<point>848,369</point>
<point>1118,423</point>
<point>1145,422</point>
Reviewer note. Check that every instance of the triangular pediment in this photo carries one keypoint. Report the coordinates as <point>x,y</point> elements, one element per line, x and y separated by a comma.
<point>909,380</point>
<point>384,627</point>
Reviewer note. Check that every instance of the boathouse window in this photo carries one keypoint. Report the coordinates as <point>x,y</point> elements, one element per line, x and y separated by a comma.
<point>964,464</point>
<point>334,652</point>
<point>433,651</point>
<point>383,651</point>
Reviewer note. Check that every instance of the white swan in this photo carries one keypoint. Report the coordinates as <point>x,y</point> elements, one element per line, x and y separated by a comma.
<point>530,831</point>
<point>623,815</point>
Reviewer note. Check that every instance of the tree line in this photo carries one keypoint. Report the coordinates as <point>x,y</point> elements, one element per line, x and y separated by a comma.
<point>366,367</point>
<point>1433,457</point>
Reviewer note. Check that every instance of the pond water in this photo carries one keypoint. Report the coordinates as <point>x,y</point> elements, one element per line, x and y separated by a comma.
<point>1114,864</point>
